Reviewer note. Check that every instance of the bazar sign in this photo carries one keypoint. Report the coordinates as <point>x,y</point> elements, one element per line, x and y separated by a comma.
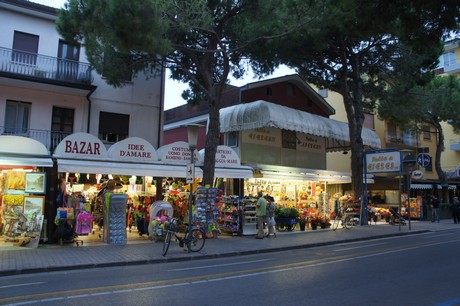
<point>383,162</point>
<point>133,149</point>
<point>81,145</point>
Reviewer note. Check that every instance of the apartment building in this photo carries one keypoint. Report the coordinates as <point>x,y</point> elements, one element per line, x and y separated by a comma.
<point>48,89</point>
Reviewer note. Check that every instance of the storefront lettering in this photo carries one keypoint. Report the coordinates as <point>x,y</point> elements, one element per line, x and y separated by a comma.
<point>136,150</point>
<point>82,147</point>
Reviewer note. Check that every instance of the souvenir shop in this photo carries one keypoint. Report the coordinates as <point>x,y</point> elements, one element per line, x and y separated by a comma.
<point>130,171</point>
<point>24,165</point>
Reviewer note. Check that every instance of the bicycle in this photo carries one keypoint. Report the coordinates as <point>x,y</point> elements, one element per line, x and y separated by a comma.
<point>194,241</point>
<point>346,219</point>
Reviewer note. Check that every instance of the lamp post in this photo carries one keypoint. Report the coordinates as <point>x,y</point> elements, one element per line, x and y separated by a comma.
<point>408,163</point>
<point>192,134</point>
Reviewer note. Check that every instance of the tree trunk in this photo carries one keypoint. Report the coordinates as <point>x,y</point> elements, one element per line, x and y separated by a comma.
<point>212,141</point>
<point>437,161</point>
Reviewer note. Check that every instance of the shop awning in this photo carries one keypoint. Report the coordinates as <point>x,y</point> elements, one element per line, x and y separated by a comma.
<point>259,114</point>
<point>124,168</point>
<point>26,161</point>
<point>292,173</point>
<point>241,172</point>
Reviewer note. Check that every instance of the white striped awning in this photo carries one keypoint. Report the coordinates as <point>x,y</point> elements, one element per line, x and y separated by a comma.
<point>421,186</point>
<point>260,114</point>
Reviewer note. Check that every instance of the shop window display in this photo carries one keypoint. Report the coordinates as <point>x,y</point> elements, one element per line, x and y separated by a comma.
<point>21,210</point>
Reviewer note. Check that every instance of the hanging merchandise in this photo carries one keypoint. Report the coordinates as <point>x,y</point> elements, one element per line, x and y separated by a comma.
<point>208,201</point>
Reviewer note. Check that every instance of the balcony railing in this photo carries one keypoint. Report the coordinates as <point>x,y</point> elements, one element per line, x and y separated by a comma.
<point>405,139</point>
<point>44,67</point>
<point>50,139</point>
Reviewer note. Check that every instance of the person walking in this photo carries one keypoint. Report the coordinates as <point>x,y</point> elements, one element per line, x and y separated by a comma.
<point>456,210</point>
<point>434,209</point>
<point>261,212</point>
<point>271,216</point>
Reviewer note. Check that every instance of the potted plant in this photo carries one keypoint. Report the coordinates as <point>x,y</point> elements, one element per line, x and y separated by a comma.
<point>314,220</point>
<point>303,220</point>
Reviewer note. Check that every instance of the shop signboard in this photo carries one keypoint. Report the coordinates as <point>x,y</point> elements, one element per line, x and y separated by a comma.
<point>383,162</point>
<point>263,136</point>
<point>311,143</point>
<point>177,153</point>
<point>133,149</point>
<point>81,146</point>
<point>226,157</point>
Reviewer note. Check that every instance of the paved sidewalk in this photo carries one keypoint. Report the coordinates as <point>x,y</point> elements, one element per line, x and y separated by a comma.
<point>54,257</point>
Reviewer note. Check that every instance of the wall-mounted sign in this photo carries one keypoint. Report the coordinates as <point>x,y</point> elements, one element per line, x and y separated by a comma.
<point>133,149</point>
<point>263,136</point>
<point>81,146</point>
<point>383,162</point>
<point>176,153</point>
<point>417,174</point>
<point>310,143</point>
<point>226,157</point>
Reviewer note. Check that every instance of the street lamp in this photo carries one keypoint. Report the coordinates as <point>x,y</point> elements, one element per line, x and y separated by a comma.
<point>408,163</point>
<point>192,134</point>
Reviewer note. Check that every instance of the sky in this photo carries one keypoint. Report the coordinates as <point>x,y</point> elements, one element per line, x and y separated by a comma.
<point>174,89</point>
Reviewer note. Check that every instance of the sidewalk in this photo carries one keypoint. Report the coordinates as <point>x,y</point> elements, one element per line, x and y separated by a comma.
<point>60,258</point>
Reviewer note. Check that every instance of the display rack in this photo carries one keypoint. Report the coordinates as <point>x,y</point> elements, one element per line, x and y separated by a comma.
<point>230,222</point>
<point>249,222</point>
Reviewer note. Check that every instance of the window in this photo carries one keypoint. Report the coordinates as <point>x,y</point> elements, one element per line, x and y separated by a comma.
<point>391,127</point>
<point>113,127</point>
<point>449,58</point>
<point>61,124</point>
<point>426,133</point>
<point>62,120</point>
<point>231,139</point>
<point>269,91</point>
<point>68,57</point>
<point>289,139</point>
<point>369,121</point>
<point>25,48</point>
<point>17,116</point>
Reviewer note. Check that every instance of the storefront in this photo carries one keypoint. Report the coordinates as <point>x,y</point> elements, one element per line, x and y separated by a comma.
<point>24,164</point>
<point>85,165</point>
<point>287,150</point>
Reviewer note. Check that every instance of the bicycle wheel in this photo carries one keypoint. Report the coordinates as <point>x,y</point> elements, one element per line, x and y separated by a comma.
<point>197,240</point>
<point>166,242</point>
<point>349,222</point>
<point>335,223</point>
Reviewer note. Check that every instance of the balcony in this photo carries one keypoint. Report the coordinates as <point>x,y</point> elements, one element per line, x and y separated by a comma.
<point>44,68</point>
<point>407,139</point>
<point>50,139</point>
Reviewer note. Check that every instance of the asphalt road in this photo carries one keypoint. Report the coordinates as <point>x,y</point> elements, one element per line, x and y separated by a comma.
<point>409,270</point>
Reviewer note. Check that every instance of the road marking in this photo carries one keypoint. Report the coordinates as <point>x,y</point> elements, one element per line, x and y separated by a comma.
<point>438,235</point>
<point>220,265</point>
<point>359,247</point>
<point>21,285</point>
<point>156,285</point>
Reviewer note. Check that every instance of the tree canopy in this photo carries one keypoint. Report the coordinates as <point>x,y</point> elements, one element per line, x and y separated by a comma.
<point>423,106</point>
<point>358,48</point>
<point>200,41</point>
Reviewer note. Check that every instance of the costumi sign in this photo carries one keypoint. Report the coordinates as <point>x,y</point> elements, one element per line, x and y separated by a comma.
<point>176,153</point>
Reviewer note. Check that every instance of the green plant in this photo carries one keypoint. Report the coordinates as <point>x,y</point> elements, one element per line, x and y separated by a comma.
<point>287,212</point>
